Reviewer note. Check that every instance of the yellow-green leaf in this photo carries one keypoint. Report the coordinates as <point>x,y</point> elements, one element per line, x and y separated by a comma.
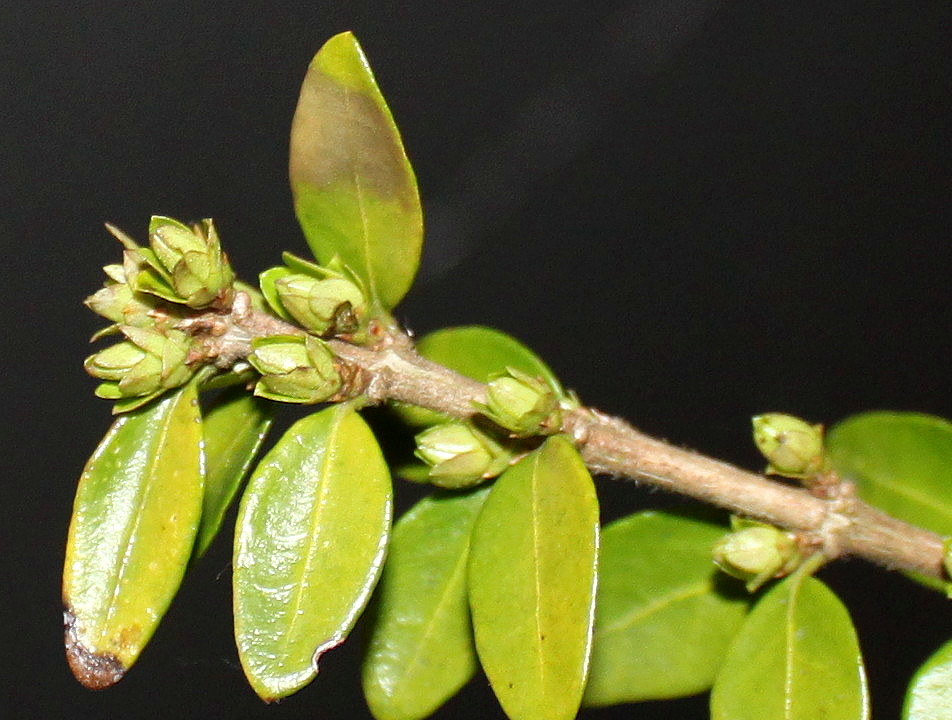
<point>532,583</point>
<point>664,615</point>
<point>134,521</point>
<point>900,462</point>
<point>477,352</point>
<point>311,536</point>
<point>796,658</point>
<point>354,190</point>
<point>930,694</point>
<point>234,429</point>
<point>421,651</point>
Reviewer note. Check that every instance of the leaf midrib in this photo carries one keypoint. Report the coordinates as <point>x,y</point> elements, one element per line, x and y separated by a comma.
<point>142,496</point>
<point>631,618</point>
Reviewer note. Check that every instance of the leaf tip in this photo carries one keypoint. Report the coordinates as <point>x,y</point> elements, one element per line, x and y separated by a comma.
<point>95,671</point>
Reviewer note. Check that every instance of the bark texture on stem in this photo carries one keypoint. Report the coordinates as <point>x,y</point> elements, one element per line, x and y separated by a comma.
<point>837,524</point>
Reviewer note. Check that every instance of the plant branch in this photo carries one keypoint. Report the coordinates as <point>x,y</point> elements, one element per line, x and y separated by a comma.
<point>835,522</point>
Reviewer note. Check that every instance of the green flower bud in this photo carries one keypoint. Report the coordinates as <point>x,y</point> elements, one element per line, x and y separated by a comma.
<point>148,362</point>
<point>791,445</point>
<point>198,271</point>
<point>756,553</point>
<point>459,455</point>
<point>294,369</point>
<point>325,307</point>
<point>521,403</point>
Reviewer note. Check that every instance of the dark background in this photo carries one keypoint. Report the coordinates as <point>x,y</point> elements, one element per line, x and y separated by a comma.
<point>694,210</point>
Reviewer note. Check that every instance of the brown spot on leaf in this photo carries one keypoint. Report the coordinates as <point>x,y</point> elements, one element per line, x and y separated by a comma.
<point>95,671</point>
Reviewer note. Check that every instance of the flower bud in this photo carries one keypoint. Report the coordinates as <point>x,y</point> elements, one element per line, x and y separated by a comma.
<point>294,369</point>
<point>459,455</point>
<point>521,403</point>
<point>791,445</point>
<point>756,553</point>
<point>325,307</point>
<point>148,362</point>
<point>198,270</point>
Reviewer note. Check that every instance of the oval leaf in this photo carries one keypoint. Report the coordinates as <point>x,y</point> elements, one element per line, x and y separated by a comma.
<point>795,658</point>
<point>664,616</point>
<point>234,429</point>
<point>930,694</point>
<point>421,650</point>
<point>477,352</point>
<point>900,462</point>
<point>354,190</point>
<point>311,536</point>
<point>134,521</point>
<point>532,583</point>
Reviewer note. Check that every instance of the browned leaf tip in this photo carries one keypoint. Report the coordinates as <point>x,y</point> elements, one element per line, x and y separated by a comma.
<point>95,671</point>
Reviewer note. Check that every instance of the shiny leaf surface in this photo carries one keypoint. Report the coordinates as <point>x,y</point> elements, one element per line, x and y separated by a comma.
<point>234,428</point>
<point>796,658</point>
<point>354,190</point>
<point>134,521</point>
<point>476,352</point>
<point>664,615</point>
<point>930,694</point>
<point>900,462</point>
<point>421,651</point>
<point>311,536</point>
<point>532,583</point>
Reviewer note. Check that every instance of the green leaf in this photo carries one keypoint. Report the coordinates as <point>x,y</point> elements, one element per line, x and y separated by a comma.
<point>421,650</point>
<point>795,658</point>
<point>900,462</point>
<point>235,427</point>
<point>664,616</point>
<point>134,520</point>
<point>532,583</point>
<point>354,190</point>
<point>930,694</point>
<point>477,352</point>
<point>311,536</point>
<point>266,281</point>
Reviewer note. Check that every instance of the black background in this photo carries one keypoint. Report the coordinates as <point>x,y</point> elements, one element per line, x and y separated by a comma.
<point>694,210</point>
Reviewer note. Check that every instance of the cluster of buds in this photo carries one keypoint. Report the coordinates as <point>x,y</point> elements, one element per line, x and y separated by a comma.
<point>755,552</point>
<point>459,455</point>
<point>523,404</point>
<point>793,447</point>
<point>294,369</point>
<point>145,298</point>
<point>326,301</point>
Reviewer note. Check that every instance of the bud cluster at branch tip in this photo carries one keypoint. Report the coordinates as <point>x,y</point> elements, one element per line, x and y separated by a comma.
<point>459,455</point>
<point>146,297</point>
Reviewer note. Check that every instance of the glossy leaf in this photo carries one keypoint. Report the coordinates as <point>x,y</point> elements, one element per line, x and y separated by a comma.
<point>930,694</point>
<point>421,651</point>
<point>311,536</point>
<point>354,190</point>
<point>134,521</point>
<point>796,658</point>
<point>477,352</point>
<point>234,428</point>
<point>900,462</point>
<point>532,583</point>
<point>664,615</point>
